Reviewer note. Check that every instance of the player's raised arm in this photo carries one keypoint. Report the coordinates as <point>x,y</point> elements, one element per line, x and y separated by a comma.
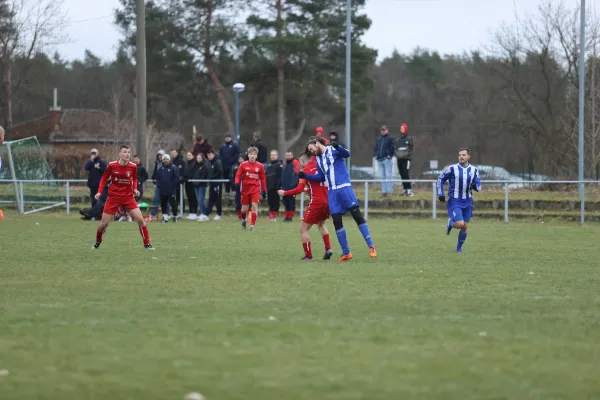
<point>476,184</point>
<point>441,181</point>
<point>104,179</point>
<point>318,177</point>
<point>341,152</point>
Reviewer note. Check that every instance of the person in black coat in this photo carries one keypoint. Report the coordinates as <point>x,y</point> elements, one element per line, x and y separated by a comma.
<point>262,149</point>
<point>229,153</point>
<point>334,137</point>
<point>177,160</point>
<point>190,192</point>
<point>94,213</point>
<point>289,180</point>
<point>238,194</point>
<point>95,167</point>
<point>202,171</point>
<point>273,172</point>
<point>142,176</point>
<point>167,180</point>
<point>156,198</point>
<point>215,195</point>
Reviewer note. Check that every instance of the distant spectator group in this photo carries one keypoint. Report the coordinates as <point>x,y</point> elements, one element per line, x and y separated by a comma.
<point>386,148</point>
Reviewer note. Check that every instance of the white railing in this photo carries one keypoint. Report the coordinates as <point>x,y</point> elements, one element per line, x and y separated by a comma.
<point>20,199</point>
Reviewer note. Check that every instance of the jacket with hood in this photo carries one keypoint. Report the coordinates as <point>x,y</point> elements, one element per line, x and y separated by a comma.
<point>157,164</point>
<point>404,145</point>
<point>203,148</point>
<point>202,171</point>
<point>229,153</point>
<point>179,163</point>
<point>216,172</point>
<point>188,170</point>
<point>384,148</point>
<point>273,172</point>
<point>167,179</point>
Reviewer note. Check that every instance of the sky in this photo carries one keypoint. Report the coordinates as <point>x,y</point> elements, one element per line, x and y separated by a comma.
<point>448,26</point>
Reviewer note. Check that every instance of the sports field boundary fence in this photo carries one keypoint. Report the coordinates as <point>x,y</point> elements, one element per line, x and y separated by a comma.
<point>20,201</point>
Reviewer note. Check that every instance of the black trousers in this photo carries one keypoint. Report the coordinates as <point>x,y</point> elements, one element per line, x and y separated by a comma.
<point>274,200</point>
<point>238,201</point>
<point>289,202</point>
<point>403,169</point>
<point>215,198</point>
<point>165,201</point>
<point>178,197</point>
<point>226,173</point>
<point>190,193</point>
<point>93,191</point>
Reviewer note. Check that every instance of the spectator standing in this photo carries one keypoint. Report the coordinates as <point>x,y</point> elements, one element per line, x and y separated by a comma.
<point>177,160</point>
<point>202,171</point>
<point>202,146</point>
<point>95,167</point>
<point>229,153</point>
<point>274,171</point>
<point>142,175</point>
<point>190,190</point>
<point>404,151</point>
<point>262,149</point>
<point>333,136</point>
<point>289,181</point>
<point>238,193</point>
<point>384,151</point>
<point>167,180</point>
<point>320,132</point>
<point>215,195</point>
<point>156,198</point>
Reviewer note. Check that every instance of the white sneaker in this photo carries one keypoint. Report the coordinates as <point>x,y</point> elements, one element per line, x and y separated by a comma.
<point>217,218</point>
<point>123,219</point>
<point>129,219</point>
<point>202,217</point>
<point>192,216</point>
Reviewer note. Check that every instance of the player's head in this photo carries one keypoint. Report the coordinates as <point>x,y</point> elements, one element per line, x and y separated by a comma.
<point>124,153</point>
<point>464,155</point>
<point>274,155</point>
<point>189,156</point>
<point>316,145</point>
<point>403,129</point>
<point>166,160</point>
<point>137,160</point>
<point>289,156</point>
<point>210,155</point>
<point>252,154</point>
<point>304,159</point>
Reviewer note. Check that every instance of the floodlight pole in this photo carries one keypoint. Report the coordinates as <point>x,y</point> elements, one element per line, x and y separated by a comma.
<point>140,68</point>
<point>238,87</point>
<point>348,71</point>
<point>582,108</point>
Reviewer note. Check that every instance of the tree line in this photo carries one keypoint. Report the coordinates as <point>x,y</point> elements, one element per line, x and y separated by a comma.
<point>514,102</point>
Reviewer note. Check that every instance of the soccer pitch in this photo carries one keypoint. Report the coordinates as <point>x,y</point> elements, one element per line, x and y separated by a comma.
<point>234,314</point>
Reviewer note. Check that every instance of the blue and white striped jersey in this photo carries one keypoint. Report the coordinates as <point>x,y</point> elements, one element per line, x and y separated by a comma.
<point>459,180</point>
<point>332,168</point>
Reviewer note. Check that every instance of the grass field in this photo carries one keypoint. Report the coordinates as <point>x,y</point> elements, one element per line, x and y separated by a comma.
<point>234,314</point>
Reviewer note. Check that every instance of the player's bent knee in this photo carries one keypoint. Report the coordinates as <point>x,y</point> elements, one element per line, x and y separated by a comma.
<point>355,212</point>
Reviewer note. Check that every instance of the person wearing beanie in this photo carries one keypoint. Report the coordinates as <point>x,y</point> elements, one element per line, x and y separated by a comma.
<point>167,181</point>
<point>229,153</point>
<point>404,147</point>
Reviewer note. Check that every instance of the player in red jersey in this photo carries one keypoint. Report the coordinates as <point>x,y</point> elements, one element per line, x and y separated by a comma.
<point>317,211</point>
<point>251,175</point>
<point>121,192</point>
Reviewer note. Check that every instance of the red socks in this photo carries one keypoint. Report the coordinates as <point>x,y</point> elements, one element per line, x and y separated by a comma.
<point>99,234</point>
<point>273,214</point>
<point>243,214</point>
<point>289,214</point>
<point>307,249</point>
<point>326,242</point>
<point>253,219</point>
<point>239,214</point>
<point>145,234</point>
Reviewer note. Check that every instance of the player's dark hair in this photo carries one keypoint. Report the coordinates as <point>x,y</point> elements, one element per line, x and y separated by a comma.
<point>465,149</point>
<point>252,150</point>
<point>123,146</point>
<point>315,140</point>
<point>304,155</point>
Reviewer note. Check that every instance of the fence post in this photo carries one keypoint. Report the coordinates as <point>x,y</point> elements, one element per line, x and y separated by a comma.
<point>302,205</point>
<point>181,199</point>
<point>68,188</point>
<point>366,211</point>
<point>506,202</point>
<point>434,200</point>
<point>22,198</point>
<point>582,216</point>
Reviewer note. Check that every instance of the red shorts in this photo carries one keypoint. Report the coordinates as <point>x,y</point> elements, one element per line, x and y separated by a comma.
<point>112,205</point>
<point>316,214</point>
<point>250,197</point>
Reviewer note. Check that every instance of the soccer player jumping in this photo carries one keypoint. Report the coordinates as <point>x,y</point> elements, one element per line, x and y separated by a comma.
<point>121,192</point>
<point>318,209</point>
<point>331,168</point>
<point>251,174</point>
<point>462,179</point>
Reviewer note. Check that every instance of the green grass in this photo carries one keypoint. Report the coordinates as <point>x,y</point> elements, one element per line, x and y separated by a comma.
<point>516,317</point>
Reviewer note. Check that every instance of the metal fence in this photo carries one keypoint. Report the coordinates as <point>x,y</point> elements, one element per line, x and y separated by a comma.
<point>20,200</point>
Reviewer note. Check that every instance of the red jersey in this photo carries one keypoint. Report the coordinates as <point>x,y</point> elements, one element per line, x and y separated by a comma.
<point>318,190</point>
<point>251,175</point>
<point>123,179</point>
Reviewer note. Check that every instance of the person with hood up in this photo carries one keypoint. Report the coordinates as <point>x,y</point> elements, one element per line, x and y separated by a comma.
<point>167,180</point>
<point>215,195</point>
<point>156,198</point>
<point>229,153</point>
<point>404,151</point>
<point>190,191</point>
<point>202,171</point>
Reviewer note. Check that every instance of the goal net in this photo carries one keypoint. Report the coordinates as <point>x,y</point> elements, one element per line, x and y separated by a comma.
<point>27,178</point>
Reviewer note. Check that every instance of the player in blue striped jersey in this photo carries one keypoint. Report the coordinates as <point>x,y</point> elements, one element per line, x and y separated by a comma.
<point>331,169</point>
<point>462,179</point>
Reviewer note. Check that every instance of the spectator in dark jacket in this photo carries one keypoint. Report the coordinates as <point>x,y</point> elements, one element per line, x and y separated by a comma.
<point>273,171</point>
<point>156,198</point>
<point>202,171</point>
<point>262,149</point>
<point>177,160</point>
<point>190,191</point>
<point>167,180</point>
<point>95,167</point>
<point>333,136</point>
<point>202,146</point>
<point>384,151</point>
<point>404,152</point>
<point>142,175</point>
<point>229,153</point>
<point>215,195</point>
<point>289,180</point>
<point>238,195</point>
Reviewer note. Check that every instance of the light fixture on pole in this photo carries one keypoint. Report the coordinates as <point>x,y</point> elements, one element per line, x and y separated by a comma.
<point>238,87</point>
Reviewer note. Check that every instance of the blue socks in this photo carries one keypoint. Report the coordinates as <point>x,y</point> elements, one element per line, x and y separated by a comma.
<point>462,236</point>
<point>341,235</point>
<point>364,229</point>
